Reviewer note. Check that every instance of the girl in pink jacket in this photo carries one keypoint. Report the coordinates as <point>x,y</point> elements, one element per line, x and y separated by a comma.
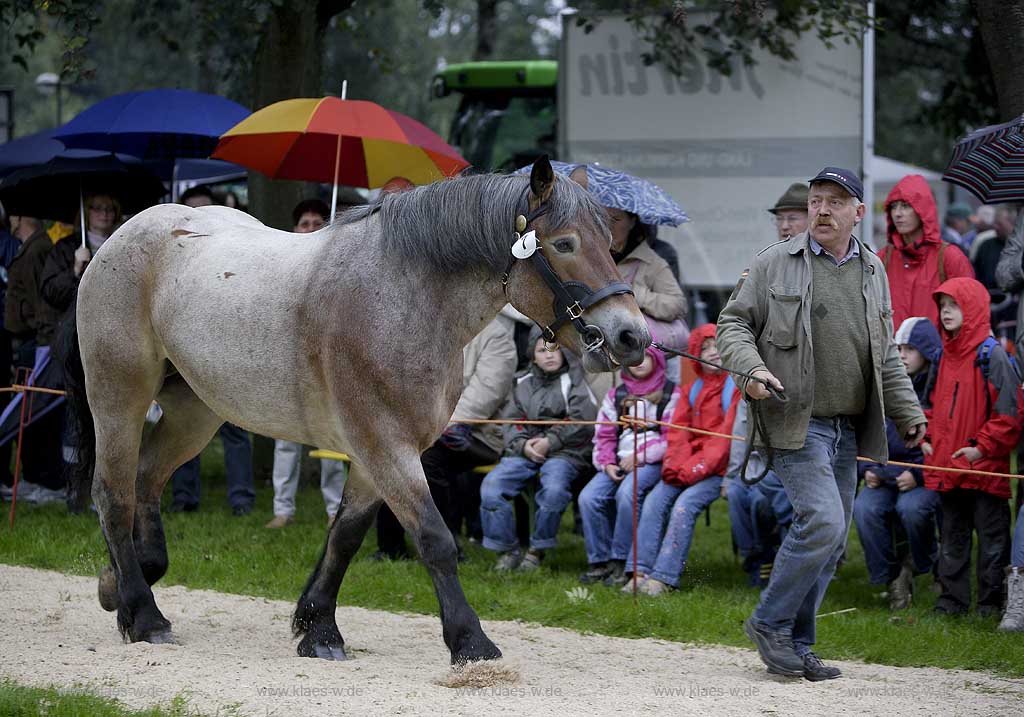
<point>606,503</point>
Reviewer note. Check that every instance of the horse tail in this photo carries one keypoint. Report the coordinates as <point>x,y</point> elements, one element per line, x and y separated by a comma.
<point>81,429</point>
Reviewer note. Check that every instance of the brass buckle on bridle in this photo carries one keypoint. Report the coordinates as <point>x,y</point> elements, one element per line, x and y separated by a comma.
<point>575,311</point>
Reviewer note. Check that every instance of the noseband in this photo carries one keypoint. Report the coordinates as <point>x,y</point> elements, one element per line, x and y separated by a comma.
<point>571,298</point>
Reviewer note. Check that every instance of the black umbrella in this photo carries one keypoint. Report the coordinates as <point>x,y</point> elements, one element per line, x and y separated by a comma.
<point>53,190</point>
<point>989,162</point>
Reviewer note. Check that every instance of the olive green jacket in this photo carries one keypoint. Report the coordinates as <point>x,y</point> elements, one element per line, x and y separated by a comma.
<point>767,324</point>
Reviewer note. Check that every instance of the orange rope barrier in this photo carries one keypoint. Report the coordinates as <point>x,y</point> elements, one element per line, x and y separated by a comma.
<point>627,421</point>
<point>36,389</point>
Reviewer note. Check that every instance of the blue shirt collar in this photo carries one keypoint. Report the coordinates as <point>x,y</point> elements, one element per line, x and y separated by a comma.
<point>819,250</point>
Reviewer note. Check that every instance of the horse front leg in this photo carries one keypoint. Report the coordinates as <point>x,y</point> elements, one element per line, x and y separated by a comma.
<point>314,618</point>
<point>402,484</point>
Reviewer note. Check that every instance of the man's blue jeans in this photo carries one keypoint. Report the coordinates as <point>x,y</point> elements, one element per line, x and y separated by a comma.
<point>820,480</point>
<point>237,465</point>
<point>874,511</point>
<point>506,481</point>
<point>606,507</point>
<point>662,549</point>
<point>1017,551</point>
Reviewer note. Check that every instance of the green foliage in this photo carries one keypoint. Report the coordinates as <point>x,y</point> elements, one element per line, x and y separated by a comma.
<point>19,701</point>
<point>30,21</point>
<point>933,80</point>
<point>211,549</point>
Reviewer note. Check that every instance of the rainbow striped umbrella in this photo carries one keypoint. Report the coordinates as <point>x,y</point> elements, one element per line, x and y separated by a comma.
<point>989,163</point>
<point>338,141</point>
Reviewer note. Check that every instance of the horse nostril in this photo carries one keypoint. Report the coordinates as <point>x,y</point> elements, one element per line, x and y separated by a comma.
<point>629,340</point>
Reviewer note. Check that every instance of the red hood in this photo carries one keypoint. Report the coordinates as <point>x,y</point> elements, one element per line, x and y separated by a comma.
<point>914,190</point>
<point>973,299</point>
<point>697,338</point>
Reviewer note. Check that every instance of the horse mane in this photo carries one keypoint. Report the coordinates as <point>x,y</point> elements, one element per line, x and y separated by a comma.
<point>468,223</point>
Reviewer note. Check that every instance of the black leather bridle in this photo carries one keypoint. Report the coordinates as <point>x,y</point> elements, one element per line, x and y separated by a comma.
<point>571,298</point>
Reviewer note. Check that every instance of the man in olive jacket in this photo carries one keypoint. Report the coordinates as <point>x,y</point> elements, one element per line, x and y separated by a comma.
<point>813,315</point>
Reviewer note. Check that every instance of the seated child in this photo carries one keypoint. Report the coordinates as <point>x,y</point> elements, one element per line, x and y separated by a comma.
<point>547,390</point>
<point>894,495</point>
<point>759,514</point>
<point>606,502</point>
<point>691,473</point>
<point>975,424</point>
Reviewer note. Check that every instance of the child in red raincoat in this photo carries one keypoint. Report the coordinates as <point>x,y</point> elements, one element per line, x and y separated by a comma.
<point>974,423</point>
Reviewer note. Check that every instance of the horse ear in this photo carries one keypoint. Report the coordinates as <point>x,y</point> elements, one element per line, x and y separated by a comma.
<point>579,175</point>
<point>542,179</point>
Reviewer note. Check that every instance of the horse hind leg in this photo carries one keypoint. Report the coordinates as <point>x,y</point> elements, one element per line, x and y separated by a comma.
<point>314,617</point>
<point>121,385</point>
<point>186,426</point>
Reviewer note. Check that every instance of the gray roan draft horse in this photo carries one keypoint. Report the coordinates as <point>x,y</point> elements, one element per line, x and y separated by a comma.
<point>349,338</point>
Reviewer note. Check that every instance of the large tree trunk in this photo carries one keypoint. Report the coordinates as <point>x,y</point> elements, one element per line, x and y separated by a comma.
<point>1002,30</point>
<point>288,63</point>
<point>487,29</point>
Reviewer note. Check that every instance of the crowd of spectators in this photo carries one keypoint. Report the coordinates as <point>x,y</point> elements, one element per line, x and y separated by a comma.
<point>955,304</point>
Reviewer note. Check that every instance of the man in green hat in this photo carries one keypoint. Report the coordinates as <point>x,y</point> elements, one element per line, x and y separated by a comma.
<point>791,211</point>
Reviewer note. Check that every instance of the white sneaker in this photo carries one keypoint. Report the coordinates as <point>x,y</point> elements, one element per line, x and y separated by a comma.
<point>38,495</point>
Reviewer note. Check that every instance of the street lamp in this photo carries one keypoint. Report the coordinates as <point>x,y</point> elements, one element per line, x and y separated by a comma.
<point>47,83</point>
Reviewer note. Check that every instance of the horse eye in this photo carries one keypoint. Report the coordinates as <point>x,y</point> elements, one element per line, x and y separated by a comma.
<point>564,246</point>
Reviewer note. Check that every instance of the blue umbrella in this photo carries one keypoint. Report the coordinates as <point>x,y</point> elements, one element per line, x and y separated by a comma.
<point>27,151</point>
<point>154,125</point>
<point>620,190</point>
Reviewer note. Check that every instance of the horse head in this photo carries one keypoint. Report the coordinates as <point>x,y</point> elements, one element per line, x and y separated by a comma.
<point>572,287</point>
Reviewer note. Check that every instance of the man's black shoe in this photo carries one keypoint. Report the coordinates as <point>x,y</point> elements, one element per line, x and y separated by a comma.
<point>239,510</point>
<point>178,507</point>
<point>815,670</point>
<point>775,649</point>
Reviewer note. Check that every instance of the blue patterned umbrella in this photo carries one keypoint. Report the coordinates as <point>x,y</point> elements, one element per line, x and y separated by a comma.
<point>620,190</point>
<point>989,163</point>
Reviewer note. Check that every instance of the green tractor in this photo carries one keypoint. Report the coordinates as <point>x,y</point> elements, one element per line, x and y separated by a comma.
<point>508,115</point>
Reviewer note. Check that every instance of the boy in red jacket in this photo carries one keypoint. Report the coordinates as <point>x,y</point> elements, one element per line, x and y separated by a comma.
<point>974,424</point>
<point>691,476</point>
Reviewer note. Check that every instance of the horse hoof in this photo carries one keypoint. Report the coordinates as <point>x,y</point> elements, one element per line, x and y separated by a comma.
<point>480,649</point>
<point>329,652</point>
<point>107,589</point>
<point>163,637</point>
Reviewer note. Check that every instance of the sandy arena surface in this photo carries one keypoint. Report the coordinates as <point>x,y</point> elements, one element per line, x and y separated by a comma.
<point>237,657</point>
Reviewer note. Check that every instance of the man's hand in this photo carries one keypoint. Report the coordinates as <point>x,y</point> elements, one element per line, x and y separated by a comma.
<point>926,448</point>
<point>756,390</point>
<point>613,472</point>
<point>871,479</point>
<point>905,481</point>
<point>971,453</point>
<point>915,435</point>
<point>627,463</point>
<point>82,257</point>
<point>723,492</point>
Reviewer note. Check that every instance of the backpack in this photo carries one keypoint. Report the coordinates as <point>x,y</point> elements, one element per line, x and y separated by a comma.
<point>983,362</point>
<point>621,393</point>
<point>727,391</point>
<point>890,247</point>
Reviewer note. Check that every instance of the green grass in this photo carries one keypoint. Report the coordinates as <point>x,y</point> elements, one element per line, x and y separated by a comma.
<point>211,549</point>
<point>19,701</point>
